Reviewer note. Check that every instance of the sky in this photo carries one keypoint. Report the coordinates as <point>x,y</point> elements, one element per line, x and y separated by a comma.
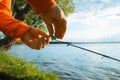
<point>94,20</point>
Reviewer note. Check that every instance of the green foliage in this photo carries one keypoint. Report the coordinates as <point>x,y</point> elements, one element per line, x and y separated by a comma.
<point>21,3</point>
<point>66,5</point>
<point>17,69</point>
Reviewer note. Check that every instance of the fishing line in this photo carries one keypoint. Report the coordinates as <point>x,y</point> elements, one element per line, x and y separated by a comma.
<point>103,55</point>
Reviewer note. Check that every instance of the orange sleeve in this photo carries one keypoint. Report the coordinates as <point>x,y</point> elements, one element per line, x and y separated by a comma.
<point>8,25</point>
<point>12,27</point>
<point>41,5</point>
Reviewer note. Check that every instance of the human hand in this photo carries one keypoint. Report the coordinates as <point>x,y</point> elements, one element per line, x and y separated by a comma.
<point>55,21</point>
<point>35,38</point>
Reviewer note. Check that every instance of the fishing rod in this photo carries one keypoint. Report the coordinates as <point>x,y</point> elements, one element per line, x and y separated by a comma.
<point>70,44</point>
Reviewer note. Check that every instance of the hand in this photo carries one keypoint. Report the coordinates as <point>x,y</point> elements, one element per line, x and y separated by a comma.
<point>35,38</point>
<point>55,21</point>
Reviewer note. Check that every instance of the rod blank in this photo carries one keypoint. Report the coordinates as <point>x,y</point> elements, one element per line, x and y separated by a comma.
<point>90,51</point>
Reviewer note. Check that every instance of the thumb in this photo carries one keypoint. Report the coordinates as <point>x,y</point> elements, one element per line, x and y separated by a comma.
<point>48,22</point>
<point>50,28</point>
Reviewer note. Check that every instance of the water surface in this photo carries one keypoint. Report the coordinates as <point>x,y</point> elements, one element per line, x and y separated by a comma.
<point>74,64</point>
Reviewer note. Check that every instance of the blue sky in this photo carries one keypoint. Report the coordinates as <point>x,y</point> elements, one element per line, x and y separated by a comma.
<point>94,20</point>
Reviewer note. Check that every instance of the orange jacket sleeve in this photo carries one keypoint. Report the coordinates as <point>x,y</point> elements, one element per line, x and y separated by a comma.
<point>15,28</point>
<point>8,25</point>
<point>41,5</point>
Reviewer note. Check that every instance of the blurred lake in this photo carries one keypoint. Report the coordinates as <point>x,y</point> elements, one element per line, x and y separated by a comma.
<point>71,63</point>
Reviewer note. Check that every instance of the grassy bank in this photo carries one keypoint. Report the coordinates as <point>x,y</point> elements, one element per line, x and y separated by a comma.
<point>12,68</point>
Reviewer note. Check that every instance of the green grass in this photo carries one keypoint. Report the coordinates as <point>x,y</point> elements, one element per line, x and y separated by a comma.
<point>13,68</point>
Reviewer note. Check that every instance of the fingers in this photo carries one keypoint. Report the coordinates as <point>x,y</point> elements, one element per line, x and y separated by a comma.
<point>45,37</point>
<point>55,21</point>
<point>36,39</point>
<point>60,28</point>
<point>35,32</point>
<point>50,29</point>
<point>48,22</point>
<point>42,42</point>
<point>38,43</point>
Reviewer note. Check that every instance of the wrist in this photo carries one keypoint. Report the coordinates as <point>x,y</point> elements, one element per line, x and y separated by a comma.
<point>24,34</point>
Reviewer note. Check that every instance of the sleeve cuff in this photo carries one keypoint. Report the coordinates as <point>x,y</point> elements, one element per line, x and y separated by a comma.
<point>40,6</point>
<point>20,31</point>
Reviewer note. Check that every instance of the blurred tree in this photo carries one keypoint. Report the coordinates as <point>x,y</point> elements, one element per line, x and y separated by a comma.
<point>23,11</point>
<point>67,6</point>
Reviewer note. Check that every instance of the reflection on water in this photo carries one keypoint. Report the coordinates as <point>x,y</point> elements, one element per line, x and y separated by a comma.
<point>74,64</point>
